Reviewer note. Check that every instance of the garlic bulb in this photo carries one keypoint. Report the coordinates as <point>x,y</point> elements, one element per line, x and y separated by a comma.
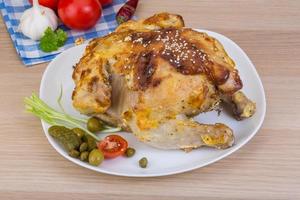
<point>36,20</point>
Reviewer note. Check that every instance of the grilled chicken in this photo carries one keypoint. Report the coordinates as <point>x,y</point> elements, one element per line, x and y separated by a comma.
<point>150,77</point>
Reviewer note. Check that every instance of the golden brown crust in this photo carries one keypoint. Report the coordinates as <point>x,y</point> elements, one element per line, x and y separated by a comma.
<point>242,106</point>
<point>165,20</point>
<point>136,55</point>
<point>189,57</point>
<point>149,76</point>
<point>157,21</point>
<point>152,61</point>
<point>92,91</point>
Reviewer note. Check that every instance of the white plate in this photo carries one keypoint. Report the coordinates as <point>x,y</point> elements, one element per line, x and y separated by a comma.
<point>161,162</point>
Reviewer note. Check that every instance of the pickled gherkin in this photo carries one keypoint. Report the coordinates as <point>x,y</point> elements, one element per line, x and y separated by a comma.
<point>65,136</point>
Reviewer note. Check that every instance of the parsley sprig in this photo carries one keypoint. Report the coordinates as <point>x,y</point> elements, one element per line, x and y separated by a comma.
<point>52,40</point>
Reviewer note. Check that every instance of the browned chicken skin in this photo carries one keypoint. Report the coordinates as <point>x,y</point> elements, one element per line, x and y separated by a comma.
<point>151,76</point>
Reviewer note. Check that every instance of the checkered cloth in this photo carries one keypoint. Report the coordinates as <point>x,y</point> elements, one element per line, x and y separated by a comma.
<point>29,50</point>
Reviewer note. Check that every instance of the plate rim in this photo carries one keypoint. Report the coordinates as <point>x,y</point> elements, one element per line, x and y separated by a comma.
<point>233,149</point>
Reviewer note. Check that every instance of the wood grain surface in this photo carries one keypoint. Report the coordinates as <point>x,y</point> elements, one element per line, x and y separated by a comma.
<point>268,167</point>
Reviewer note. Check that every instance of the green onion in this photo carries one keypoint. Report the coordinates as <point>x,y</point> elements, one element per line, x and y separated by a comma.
<point>39,108</point>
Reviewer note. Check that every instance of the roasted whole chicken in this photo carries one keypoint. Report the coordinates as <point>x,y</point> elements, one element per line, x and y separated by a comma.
<point>150,77</point>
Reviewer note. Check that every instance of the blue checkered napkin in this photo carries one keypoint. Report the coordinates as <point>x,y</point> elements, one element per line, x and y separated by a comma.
<point>29,50</point>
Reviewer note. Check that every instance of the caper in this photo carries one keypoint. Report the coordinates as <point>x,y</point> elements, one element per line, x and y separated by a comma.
<point>96,157</point>
<point>83,147</point>
<point>90,141</point>
<point>79,132</point>
<point>84,156</point>
<point>130,152</point>
<point>74,153</point>
<point>143,162</point>
<point>94,125</point>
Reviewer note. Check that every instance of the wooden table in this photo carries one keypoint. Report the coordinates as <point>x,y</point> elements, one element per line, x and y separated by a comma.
<point>268,167</point>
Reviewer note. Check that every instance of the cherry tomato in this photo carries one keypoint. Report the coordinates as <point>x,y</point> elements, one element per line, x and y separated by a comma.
<point>48,3</point>
<point>79,14</point>
<point>113,146</point>
<point>105,2</point>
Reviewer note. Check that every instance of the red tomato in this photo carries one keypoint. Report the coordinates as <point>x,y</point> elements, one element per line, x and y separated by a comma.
<point>105,2</point>
<point>79,14</point>
<point>113,146</point>
<point>48,3</point>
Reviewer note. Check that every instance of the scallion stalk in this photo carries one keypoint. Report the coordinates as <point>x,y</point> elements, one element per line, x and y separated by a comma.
<point>39,108</point>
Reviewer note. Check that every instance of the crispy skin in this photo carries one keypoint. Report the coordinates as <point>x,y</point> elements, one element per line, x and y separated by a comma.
<point>149,76</point>
<point>156,22</point>
<point>242,106</point>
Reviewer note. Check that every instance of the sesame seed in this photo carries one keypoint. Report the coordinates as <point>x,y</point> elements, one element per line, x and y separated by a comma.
<point>128,38</point>
<point>139,40</point>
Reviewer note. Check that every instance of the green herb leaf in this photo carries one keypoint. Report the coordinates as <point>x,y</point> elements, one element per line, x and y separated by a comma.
<point>61,37</point>
<point>48,42</point>
<point>51,40</point>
